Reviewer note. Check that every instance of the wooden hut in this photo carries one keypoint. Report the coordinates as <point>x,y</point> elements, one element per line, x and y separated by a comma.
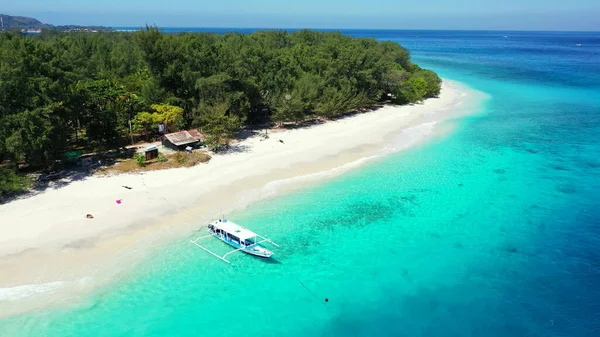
<point>180,140</point>
<point>151,152</point>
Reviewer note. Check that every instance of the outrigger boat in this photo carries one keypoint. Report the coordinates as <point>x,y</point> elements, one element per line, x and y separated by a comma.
<point>242,239</point>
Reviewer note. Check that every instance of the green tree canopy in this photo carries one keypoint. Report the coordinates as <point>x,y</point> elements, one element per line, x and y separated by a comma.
<point>169,115</point>
<point>218,125</point>
<point>60,91</point>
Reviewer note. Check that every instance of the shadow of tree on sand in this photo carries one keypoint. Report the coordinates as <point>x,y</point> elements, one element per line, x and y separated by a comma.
<point>64,176</point>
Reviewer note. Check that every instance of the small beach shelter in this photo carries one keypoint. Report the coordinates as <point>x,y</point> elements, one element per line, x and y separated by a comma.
<point>180,140</point>
<point>151,152</point>
<point>89,159</point>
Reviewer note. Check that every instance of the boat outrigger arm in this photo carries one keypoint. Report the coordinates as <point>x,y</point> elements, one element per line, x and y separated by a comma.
<point>245,248</point>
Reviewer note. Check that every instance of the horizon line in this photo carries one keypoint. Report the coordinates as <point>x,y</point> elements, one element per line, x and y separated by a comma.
<point>368,29</point>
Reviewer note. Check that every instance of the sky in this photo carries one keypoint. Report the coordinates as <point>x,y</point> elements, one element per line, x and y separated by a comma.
<point>582,15</point>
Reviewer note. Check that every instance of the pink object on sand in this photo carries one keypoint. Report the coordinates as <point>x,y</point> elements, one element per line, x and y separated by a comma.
<point>119,201</point>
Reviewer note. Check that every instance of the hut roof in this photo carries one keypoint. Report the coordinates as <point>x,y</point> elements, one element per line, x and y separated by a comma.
<point>184,137</point>
<point>194,133</point>
<point>151,148</point>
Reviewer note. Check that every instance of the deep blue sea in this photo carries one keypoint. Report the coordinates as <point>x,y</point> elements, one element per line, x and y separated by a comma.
<point>492,230</point>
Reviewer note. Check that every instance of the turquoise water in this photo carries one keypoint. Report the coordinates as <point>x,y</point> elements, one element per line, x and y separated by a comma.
<point>493,230</point>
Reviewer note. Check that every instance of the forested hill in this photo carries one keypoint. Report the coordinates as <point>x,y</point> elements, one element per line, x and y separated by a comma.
<point>62,90</point>
<point>9,22</point>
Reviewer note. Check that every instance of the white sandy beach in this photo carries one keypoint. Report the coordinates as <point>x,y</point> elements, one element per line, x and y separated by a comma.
<point>46,238</point>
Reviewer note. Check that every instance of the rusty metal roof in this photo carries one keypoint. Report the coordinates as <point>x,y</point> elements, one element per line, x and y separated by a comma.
<point>194,133</point>
<point>184,137</point>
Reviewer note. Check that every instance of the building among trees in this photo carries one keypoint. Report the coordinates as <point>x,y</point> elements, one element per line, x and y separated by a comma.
<point>151,152</point>
<point>178,141</point>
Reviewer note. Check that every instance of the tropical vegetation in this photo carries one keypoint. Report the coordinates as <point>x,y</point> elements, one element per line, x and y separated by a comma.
<point>63,91</point>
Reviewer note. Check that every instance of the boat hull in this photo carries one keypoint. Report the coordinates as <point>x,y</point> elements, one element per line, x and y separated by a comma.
<point>254,250</point>
<point>265,255</point>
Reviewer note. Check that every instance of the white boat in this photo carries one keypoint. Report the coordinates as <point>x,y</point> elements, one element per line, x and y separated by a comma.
<point>242,239</point>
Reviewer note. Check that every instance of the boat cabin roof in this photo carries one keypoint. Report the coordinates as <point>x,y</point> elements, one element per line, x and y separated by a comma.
<point>234,229</point>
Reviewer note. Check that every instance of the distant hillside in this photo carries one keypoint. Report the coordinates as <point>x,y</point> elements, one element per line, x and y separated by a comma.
<point>8,22</point>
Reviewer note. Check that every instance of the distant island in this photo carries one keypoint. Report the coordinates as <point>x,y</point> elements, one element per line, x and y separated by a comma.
<point>32,26</point>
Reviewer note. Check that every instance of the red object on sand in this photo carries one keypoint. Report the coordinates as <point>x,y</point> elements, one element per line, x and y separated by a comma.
<point>119,201</point>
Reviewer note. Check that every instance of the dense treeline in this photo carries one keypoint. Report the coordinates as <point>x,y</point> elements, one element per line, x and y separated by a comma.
<point>61,89</point>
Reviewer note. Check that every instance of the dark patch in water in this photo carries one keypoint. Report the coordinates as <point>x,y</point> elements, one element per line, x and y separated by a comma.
<point>412,199</point>
<point>435,235</point>
<point>364,213</point>
<point>461,215</point>
<point>531,150</point>
<point>459,245</point>
<point>499,171</point>
<point>361,214</point>
<point>421,190</point>
<point>559,168</point>
<point>592,164</point>
<point>460,185</point>
<point>404,204</point>
<point>428,312</point>
<point>304,243</point>
<point>566,189</point>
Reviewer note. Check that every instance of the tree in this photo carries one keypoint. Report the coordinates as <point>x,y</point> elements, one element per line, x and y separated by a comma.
<point>127,103</point>
<point>11,182</point>
<point>101,111</point>
<point>294,105</point>
<point>223,88</point>
<point>143,122</point>
<point>167,114</point>
<point>335,101</point>
<point>392,80</point>
<point>411,91</point>
<point>419,86</point>
<point>32,137</point>
<point>288,107</point>
<point>434,83</point>
<point>218,125</point>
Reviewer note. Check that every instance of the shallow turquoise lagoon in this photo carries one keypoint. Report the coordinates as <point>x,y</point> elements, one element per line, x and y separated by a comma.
<point>492,229</point>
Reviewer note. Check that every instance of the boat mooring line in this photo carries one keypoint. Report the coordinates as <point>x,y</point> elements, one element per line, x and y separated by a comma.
<point>310,291</point>
<point>326,300</point>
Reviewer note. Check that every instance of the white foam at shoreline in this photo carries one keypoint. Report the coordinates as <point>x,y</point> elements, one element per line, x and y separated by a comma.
<point>28,290</point>
<point>17,293</point>
<point>405,139</point>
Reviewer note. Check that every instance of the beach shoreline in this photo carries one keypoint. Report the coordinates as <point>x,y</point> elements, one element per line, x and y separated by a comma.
<point>61,249</point>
